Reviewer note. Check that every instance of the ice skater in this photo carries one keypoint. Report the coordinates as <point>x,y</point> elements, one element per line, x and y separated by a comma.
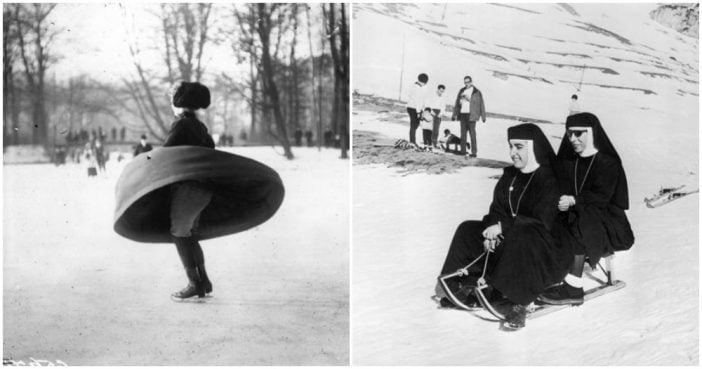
<point>186,191</point>
<point>516,234</point>
<point>189,198</point>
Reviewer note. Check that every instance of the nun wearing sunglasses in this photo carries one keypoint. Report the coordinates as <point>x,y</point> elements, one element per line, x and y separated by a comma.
<point>594,196</point>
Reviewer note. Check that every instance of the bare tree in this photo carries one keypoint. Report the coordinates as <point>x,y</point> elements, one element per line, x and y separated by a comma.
<point>10,54</point>
<point>339,45</point>
<point>35,39</point>
<point>184,30</point>
<point>262,27</point>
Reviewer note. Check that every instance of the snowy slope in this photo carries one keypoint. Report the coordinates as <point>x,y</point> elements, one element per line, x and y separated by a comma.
<point>76,291</point>
<point>403,224</point>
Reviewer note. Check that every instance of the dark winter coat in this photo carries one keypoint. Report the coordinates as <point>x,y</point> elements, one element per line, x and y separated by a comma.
<point>477,105</point>
<point>139,149</point>
<point>188,130</point>
<point>529,259</point>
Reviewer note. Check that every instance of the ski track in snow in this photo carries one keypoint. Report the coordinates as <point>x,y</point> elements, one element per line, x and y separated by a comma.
<point>403,224</point>
<point>76,291</point>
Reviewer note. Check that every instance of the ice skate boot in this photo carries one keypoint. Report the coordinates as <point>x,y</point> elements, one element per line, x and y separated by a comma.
<point>194,291</point>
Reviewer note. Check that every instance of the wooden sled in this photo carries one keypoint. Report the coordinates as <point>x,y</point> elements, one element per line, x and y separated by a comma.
<point>499,308</point>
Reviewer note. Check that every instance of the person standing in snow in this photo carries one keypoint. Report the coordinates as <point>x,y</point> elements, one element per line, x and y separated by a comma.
<point>594,196</point>
<point>469,107</point>
<point>437,102</point>
<point>142,146</point>
<point>524,256</point>
<point>416,104</point>
<point>189,198</point>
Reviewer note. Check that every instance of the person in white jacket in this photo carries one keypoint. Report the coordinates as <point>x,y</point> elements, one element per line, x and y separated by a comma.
<point>416,104</point>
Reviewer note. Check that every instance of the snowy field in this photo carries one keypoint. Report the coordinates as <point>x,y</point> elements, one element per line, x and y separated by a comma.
<point>403,223</point>
<point>75,291</point>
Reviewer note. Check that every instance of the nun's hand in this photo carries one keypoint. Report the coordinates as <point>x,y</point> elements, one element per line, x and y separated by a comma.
<point>492,232</point>
<point>489,245</point>
<point>565,202</point>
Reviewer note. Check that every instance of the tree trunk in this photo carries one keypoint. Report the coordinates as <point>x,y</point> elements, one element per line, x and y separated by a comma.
<point>269,85</point>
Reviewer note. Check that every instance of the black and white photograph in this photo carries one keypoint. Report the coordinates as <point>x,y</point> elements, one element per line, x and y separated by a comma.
<point>525,184</point>
<point>176,184</point>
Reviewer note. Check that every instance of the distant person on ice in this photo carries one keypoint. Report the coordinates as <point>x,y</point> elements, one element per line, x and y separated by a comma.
<point>594,195</point>
<point>189,198</point>
<point>437,102</point>
<point>574,107</point>
<point>524,257</point>
<point>142,146</point>
<point>469,107</point>
<point>416,101</point>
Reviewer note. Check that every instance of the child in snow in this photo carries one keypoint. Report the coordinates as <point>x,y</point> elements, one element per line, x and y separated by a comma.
<point>427,123</point>
<point>451,139</point>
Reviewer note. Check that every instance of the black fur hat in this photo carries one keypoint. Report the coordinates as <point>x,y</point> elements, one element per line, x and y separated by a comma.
<point>192,95</point>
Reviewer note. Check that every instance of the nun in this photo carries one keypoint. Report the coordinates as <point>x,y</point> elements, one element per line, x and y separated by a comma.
<point>594,196</point>
<point>524,256</point>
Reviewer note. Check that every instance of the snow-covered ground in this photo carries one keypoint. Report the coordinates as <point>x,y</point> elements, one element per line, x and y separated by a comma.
<point>75,291</point>
<point>403,224</point>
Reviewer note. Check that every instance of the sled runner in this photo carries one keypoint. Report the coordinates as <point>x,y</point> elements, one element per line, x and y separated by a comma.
<point>499,306</point>
<point>666,195</point>
<point>246,193</point>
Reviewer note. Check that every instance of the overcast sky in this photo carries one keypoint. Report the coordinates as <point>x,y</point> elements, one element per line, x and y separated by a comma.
<point>94,40</point>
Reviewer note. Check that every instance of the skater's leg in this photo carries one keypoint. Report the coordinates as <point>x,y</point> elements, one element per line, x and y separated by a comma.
<point>188,199</point>
<point>199,259</point>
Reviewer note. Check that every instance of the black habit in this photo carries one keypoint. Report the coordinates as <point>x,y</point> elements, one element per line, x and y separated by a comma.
<point>595,226</point>
<point>529,259</point>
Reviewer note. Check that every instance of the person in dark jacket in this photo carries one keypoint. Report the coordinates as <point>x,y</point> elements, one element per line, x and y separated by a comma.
<point>524,257</point>
<point>189,198</point>
<point>594,195</point>
<point>468,108</point>
<point>142,146</point>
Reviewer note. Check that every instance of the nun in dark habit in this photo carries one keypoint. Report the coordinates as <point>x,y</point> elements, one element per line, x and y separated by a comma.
<point>594,195</point>
<point>525,258</point>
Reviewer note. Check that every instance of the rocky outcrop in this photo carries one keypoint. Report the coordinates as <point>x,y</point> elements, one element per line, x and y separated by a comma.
<point>683,18</point>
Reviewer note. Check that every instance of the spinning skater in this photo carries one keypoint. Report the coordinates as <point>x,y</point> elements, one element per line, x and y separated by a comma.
<point>186,192</point>
<point>189,198</point>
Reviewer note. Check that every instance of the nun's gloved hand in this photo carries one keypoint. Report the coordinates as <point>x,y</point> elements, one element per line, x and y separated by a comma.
<point>565,202</point>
